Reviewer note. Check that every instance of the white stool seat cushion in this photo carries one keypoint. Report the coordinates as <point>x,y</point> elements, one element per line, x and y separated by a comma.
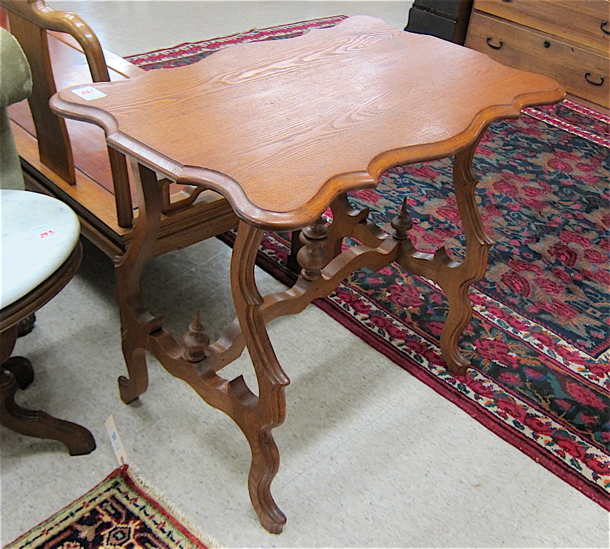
<point>38,234</point>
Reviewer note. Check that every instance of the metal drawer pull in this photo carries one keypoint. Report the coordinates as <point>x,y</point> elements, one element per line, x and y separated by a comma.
<point>603,27</point>
<point>601,80</point>
<point>494,46</point>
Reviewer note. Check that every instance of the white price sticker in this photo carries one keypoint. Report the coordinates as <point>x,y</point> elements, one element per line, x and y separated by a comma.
<point>115,441</point>
<point>43,232</point>
<point>88,93</point>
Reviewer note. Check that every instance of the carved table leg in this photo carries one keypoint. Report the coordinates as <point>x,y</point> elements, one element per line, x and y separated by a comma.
<point>268,410</point>
<point>197,361</point>
<point>471,270</point>
<point>452,276</point>
<point>136,323</point>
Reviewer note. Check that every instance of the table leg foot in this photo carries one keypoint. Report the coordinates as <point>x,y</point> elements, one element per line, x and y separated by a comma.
<point>135,342</point>
<point>265,464</point>
<point>130,388</point>
<point>460,312</point>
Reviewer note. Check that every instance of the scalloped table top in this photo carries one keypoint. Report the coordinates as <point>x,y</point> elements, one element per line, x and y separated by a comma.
<point>282,127</point>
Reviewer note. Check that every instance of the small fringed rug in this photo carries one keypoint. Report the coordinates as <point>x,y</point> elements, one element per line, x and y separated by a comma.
<point>120,512</point>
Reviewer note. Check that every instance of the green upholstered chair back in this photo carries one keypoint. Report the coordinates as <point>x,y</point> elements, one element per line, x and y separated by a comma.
<point>15,86</point>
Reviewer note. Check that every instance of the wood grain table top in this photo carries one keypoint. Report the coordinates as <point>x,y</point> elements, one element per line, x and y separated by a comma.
<point>282,127</point>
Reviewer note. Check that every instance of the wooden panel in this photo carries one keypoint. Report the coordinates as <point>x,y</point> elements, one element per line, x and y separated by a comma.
<point>582,72</point>
<point>581,21</point>
<point>88,142</point>
<point>54,143</point>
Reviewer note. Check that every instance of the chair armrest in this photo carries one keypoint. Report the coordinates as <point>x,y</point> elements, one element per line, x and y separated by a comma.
<point>38,13</point>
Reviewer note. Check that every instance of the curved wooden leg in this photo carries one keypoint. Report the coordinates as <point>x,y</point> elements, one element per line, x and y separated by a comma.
<point>136,382</point>
<point>471,270</point>
<point>265,465</point>
<point>455,277</point>
<point>136,323</point>
<point>258,416</point>
<point>17,372</point>
<point>459,314</point>
<point>33,423</point>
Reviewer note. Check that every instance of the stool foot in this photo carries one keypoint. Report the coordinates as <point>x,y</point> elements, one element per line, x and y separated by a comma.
<point>22,369</point>
<point>26,325</point>
<point>35,423</point>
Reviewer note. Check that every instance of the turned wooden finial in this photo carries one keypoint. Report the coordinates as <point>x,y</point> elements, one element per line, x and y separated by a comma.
<point>195,341</point>
<point>402,222</point>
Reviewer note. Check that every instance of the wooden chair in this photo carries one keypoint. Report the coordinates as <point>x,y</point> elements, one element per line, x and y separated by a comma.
<point>71,161</point>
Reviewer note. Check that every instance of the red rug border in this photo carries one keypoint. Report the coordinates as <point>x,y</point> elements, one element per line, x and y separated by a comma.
<point>307,24</point>
<point>514,438</point>
<point>508,390</point>
<point>572,128</point>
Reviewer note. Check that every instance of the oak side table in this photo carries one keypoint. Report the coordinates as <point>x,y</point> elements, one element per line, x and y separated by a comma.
<point>285,129</point>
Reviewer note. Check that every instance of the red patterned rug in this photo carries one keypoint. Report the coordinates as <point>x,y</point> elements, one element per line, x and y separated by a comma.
<point>120,512</point>
<point>191,52</point>
<point>539,338</point>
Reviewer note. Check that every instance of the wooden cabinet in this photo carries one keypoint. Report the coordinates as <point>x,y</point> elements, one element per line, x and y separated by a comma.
<point>447,19</point>
<point>567,40</point>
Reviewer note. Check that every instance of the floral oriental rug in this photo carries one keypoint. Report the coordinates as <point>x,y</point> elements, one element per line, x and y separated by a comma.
<point>120,512</point>
<point>539,339</point>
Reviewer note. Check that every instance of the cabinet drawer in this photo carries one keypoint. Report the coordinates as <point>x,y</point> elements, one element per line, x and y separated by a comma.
<point>581,72</point>
<point>586,22</point>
